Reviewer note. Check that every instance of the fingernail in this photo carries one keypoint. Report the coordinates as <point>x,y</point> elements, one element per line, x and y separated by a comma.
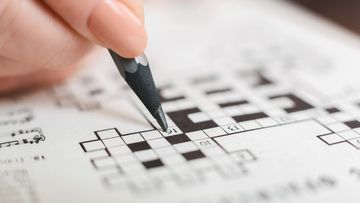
<point>114,24</point>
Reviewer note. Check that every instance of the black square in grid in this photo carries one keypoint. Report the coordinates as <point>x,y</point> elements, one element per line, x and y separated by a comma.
<point>352,124</point>
<point>153,163</point>
<point>176,139</point>
<point>139,146</point>
<point>332,110</point>
<point>193,155</point>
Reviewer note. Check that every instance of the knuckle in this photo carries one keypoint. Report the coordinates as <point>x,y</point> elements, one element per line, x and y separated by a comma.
<point>9,10</point>
<point>70,52</point>
<point>4,6</point>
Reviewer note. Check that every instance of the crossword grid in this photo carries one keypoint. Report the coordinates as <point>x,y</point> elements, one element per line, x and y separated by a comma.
<point>344,125</point>
<point>188,154</point>
<point>345,129</point>
<point>137,153</point>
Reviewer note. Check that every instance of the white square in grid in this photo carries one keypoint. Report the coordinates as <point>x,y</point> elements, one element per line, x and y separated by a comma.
<point>197,135</point>
<point>224,121</point>
<point>315,112</point>
<point>134,168</point>
<point>198,117</point>
<point>265,122</point>
<point>107,133</point>
<point>111,142</point>
<point>146,155</point>
<point>165,151</point>
<point>300,116</point>
<point>185,174</point>
<point>232,128</point>
<point>115,179</point>
<point>249,125</point>
<point>349,134</point>
<point>200,100</point>
<point>105,162</point>
<point>355,142</point>
<point>185,147</point>
<point>224,159</point>
<point>173,160</point>
<point>169,106</point>
<point>340,116</point>
<point>234,97</point>
<point>182,170</point>
<point>233,110</point>
<point>119,150</point>
<point>169,121</point>
<point>205,107</point>
<point>157,143</point>
<point>326,120</point>
<point>283,102</point>
<point>160,172</point>
<point>284,119</point>
<point>125,159</point>
<point>185,104</point>
<point>218,98</point>
<point>336,127</point>
<point>213,151</point>
<point>132,138</point>
<point>216,113</point>
<point>151,135</point>
<point>332,138</point>
<point>201,164</point>
<point>97,154</point>
<point>243,156</point>
<point>170,92</point>
<point>204,143</point>
<point>93,145</point>
<point>275,112</point>
<point>248,108</point>
<point>264,104</point>
<point>356,130</point>
<point>171,131</point>
<point>213,132</point>
<point>231,169</point>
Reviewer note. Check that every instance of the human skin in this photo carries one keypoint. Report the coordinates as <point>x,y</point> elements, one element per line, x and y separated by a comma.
<point>44,41</point>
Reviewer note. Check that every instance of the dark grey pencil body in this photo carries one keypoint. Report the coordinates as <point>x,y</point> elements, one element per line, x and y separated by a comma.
<point>137,75</point>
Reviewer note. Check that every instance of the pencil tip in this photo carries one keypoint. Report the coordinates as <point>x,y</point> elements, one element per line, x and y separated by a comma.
<point>160,118</point>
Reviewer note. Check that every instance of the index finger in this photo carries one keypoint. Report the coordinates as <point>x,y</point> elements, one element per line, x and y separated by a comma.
<point>115,24</point>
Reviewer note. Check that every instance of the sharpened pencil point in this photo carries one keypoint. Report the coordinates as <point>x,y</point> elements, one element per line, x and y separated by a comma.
<point>160,118</point>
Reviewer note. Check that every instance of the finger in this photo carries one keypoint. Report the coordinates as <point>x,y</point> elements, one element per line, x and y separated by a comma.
<point>116,24</point>
<point>35,79</point>
<point>137,7</point>
<point>32,34</point>
<point>9,67</point>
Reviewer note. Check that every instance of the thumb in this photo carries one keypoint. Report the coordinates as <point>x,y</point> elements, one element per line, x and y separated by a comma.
<point>115,24</point>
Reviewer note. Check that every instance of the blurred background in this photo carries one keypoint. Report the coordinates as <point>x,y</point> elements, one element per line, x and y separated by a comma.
<point>343,12</point>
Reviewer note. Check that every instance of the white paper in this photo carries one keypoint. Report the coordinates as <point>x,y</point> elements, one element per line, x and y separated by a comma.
<point>262,100</point>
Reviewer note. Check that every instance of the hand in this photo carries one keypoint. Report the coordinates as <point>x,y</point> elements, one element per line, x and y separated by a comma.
<point>41,41</point>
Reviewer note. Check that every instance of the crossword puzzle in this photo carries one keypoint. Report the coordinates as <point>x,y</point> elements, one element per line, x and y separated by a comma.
<point>188,153</point>
<point>176,157</point>
<point>264,111</point>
